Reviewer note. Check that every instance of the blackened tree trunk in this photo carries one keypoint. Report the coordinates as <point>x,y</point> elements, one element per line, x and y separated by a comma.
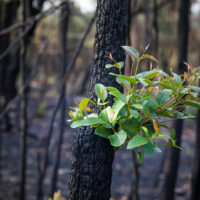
<point>92,157</point>
<point>64,19</point>
<point>23,112</point>
<point>6,19</point>
<point>156,28</point>
<point>24,43</point>
<point>195,179</point>
<point>172,162</point>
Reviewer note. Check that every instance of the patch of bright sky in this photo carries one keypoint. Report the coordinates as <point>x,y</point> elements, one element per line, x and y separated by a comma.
<point>196,7</point>
<point>90,5</point>
<point>86,5</point>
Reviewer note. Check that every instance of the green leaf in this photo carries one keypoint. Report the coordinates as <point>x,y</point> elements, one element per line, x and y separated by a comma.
<point>103,132</point>
<point>165,84</point>
<point>134,113</point>
<point>117,65</point>
<point>148,148</point>
<point>157,149</point>
<point>138,106</point>
<point>106,114</point>
<point>115,92</point>
<point>149,57</point>
<point>92,115</point>
<point>195,88</point>
<point>145,130</point>
<point>130,127</point>
<point>120,64</point>
<point>148,74</point>
<point>164,126</point>
<point>108,66</point>
<point>163,96</point>
<point>83,103</point>
<point>123,82</point>
<point>166,114</point>
<point>87,122</point>
<point>143,82</point>
<point>131,51</point>
<point>136,141</point>
<point>130,79</point>
<point>139,156</point>
<point>151,102</point>
<point>173,134</point>
<point>117,106</point>
<point>109,113</point>
<point>177,78</point>
<point>191,103</point>
<point>101,91</point>
<point>118,138</point>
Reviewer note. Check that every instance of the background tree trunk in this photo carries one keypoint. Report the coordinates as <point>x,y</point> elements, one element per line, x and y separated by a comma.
<point>172,162</point>
<point>7,88</point>
<point>195,179</point>
<point>91,165</point>
<point>64,20</point>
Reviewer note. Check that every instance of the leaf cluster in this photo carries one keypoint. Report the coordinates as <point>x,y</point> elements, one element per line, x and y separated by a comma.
<point>150,99</point>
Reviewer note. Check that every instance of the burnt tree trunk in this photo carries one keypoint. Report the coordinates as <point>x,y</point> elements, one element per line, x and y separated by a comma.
<point>172,162</point>
<point>7,89</point>
<point>23,112</point>
<point>64,19</point>
<point>195,179</point>
<point>92,156</point>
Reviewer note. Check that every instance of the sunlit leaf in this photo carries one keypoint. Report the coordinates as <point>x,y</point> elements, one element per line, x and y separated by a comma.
<point>115,92</point>
<point>83,103</point>
<point>138,106</point>
<point>101,91</point>
<point>123,82</point>
<point>130,79</point>
<point>108,66</point>
<point>87,122</point>
<point>131,51</point>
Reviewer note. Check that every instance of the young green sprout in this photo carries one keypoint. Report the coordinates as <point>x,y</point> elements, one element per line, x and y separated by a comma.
<point>135,119</point>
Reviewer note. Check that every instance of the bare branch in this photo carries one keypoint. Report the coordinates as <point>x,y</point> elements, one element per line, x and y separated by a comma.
<point>78,49</point>
<point>28,80</point>
<point>27,29</point>
<point>30,20</point>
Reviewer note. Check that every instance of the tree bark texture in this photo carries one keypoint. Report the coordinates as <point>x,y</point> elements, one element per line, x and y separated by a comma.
<point>173,157</point>
<point>92,157</point>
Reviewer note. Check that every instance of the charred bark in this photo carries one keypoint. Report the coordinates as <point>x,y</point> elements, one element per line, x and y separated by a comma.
<point>64,19</point>
<point>92,157</point>
<point>173,157</point>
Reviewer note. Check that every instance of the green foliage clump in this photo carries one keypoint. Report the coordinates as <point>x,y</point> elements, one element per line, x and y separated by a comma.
<point>149,100</point>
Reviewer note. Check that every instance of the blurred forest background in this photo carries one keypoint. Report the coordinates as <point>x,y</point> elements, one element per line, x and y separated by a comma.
<point>46,50</point>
